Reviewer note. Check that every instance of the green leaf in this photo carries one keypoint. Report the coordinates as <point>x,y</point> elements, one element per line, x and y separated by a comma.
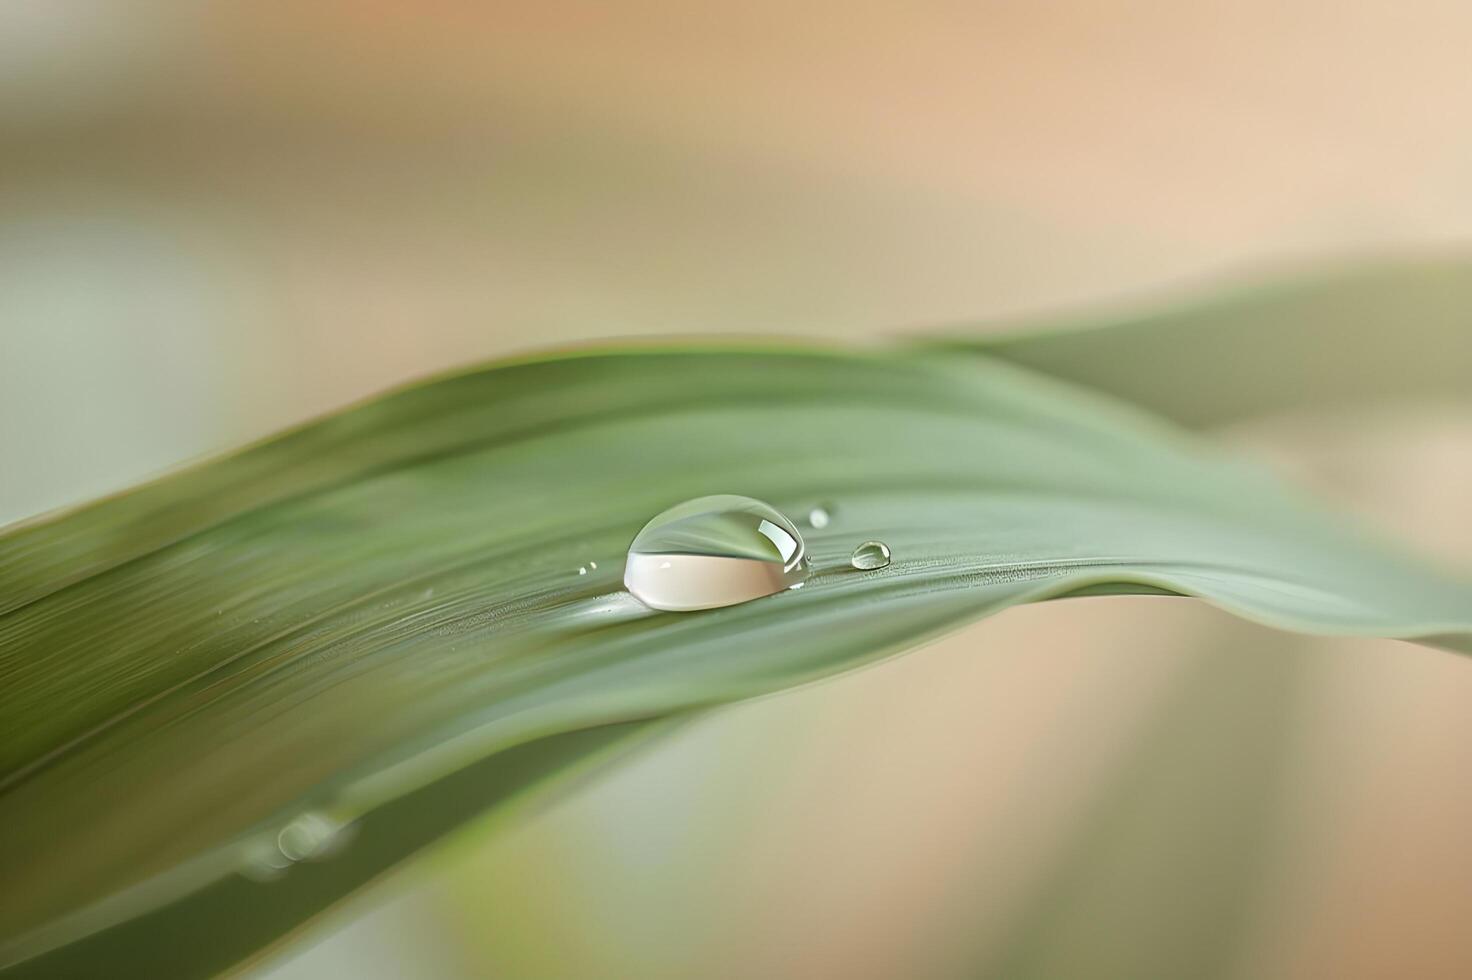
<point>1350,337</point>
<point>346,615</point>
<point>233,917</point>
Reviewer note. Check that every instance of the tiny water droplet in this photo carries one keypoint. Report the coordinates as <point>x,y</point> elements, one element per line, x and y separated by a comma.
<point>593,565</point>
<point>870,555</point>
<point>820,516</point>
<point>582,569</point>
<point>714,551</point>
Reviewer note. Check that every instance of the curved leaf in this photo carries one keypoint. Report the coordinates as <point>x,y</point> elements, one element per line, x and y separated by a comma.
<point>233,917</point>
<point>337,618</point>
<point>1354,336</point>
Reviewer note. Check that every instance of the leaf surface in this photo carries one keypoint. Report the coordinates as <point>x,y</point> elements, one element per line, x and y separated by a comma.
<point>351,613</point>
<point>1354,336</point>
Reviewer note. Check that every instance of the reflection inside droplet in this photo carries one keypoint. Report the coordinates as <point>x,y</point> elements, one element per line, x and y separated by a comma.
<point>714,551</point>
<point>870,555</point>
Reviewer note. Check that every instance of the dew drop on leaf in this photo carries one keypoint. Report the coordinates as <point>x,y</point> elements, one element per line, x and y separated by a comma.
<point>870,555</point>
<point>714,551</point>
<point>311,836</point>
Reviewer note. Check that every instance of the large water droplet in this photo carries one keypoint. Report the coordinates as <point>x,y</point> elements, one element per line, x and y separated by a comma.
<point>870,555</point>
<point>714,551</point>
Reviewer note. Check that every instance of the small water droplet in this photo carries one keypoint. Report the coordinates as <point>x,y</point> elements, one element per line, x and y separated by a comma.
<point>714,551</point>
<point>820,516</point>
<point>870,555</point>
<point>582,569</point>
<point>593,565</point>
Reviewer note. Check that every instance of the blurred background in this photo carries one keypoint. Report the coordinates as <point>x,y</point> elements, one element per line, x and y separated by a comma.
<point>216,220</point>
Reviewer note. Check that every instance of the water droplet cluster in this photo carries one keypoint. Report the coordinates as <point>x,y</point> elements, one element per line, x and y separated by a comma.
<point>724,550</point>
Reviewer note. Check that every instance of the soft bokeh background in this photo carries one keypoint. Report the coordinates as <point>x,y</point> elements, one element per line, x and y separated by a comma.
<point>216,220</point>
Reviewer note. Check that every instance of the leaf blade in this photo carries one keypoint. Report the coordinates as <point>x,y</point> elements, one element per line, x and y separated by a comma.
<point>360,617</point>
<point>1376,333</point>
